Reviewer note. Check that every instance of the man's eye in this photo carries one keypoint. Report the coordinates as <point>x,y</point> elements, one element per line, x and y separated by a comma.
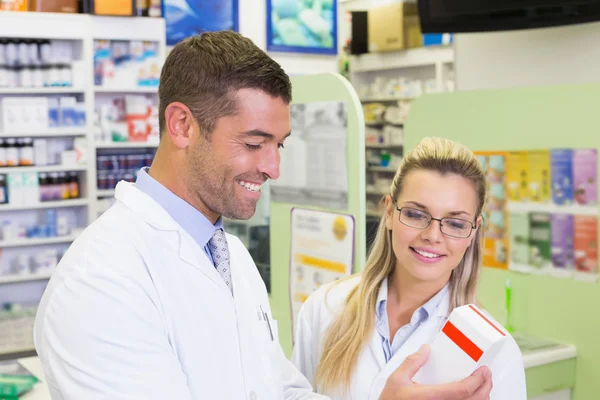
<point>280,146</point>
<point>253,146</point>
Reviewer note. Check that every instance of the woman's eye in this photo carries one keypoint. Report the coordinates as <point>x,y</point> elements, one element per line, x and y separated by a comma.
<point>415,215</point>
<point>253,146</point>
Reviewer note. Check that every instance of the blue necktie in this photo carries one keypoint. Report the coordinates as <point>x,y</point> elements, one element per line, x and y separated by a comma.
<point>220,255</point>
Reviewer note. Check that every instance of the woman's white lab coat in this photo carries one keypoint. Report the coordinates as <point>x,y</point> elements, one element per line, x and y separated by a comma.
<point>137,311</point>
<point>371,373</point>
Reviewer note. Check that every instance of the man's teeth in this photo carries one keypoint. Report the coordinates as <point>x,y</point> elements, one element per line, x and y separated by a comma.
<point>250,186</point>
<point>426,254</point>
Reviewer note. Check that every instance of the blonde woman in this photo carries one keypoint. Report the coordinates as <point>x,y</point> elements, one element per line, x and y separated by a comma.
<point>424,262</point>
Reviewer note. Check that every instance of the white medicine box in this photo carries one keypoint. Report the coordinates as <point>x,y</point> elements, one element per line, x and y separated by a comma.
<point>468,340</point>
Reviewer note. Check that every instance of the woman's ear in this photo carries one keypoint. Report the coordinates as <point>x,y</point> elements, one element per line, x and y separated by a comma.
<point>389,212</point>
<point>478,225</point>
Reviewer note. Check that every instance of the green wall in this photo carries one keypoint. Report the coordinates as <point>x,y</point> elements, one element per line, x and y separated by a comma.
<point>528,118</point>
<point>306,89</point>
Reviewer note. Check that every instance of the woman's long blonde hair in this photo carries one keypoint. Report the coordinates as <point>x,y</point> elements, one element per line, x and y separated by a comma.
<point>353,328</point>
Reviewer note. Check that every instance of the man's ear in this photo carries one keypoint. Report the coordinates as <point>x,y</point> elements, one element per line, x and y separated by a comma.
<point>179,124</point>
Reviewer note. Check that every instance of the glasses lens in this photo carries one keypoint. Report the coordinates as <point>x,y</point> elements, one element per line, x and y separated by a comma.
<point>456,227</point>
<point>415,218</point>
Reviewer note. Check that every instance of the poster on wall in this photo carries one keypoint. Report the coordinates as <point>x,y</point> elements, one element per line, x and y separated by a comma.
<point>313,168</point>
<point>302,26</point>
<point>495,252</point>
<point>322,251</point>
<point>186,18</point>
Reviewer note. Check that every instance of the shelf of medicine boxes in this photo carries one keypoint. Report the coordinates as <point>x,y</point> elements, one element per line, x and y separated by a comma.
<point>22,242</point>
<point>125,145</point>
<point>416,57</point>
<point>112,28</point>
<point>43,90</point>
<point>48,132</point>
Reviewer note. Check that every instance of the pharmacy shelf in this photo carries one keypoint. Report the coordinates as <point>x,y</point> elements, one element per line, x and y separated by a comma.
<point>45,168</point>
<point>385,99</point>
<point>140,89</point>
<point>45,204</point>
<point>37,241</point>
<point>382,123</point>
<point>417,57</point>
<point>381,169</point>
<point>42,90</point>
<point>124,145</point>
<point>17,352</point>
<point>50,132</point>
<point>376,193</point>
<point>383,146</point>
<point>517,207</point>
<point>105,193</point>
<point>24,278</point>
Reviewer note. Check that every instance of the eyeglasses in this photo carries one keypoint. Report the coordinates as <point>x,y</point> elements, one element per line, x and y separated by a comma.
<point>419,219</point>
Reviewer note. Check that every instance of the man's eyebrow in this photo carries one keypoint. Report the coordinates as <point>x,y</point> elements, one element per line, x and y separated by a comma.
<point>259,133</point>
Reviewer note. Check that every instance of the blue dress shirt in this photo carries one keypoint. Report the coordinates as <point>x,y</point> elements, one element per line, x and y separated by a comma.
<point>190,219</point>
<point>420,315</point>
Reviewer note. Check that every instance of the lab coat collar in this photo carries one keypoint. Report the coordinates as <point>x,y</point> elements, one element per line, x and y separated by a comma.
<point>426,329</point>
<point>150,211</point>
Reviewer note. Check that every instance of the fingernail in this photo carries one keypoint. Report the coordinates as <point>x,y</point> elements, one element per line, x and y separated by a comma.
<point>486,372</point>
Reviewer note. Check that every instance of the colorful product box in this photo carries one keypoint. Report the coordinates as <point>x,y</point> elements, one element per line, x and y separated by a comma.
<point>519,238</point>
<point>585,176</point>
<point>586,243</point>
<point>563,239</point>
<point>561,171</point>
<point>517,176</point>
<point>539,240</point>
<point>539,176</point>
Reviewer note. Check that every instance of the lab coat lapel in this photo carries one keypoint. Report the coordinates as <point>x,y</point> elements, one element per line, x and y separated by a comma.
<point>191,253</point>
<point>424,334</point>
<point>151,212</point>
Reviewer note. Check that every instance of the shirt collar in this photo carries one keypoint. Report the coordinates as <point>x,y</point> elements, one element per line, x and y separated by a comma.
<point>190,219</point>
<point>426,310</point>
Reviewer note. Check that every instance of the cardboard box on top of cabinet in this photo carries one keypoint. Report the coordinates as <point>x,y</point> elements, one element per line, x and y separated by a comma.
<point>394,27</point>
<point>468,340</point>
<point>14,5</point>
<point>58,6</point>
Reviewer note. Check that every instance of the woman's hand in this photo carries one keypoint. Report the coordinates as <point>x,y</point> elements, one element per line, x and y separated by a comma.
<point>400,386</point>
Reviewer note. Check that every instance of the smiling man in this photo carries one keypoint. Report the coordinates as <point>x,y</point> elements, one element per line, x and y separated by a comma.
<point>154,301</point>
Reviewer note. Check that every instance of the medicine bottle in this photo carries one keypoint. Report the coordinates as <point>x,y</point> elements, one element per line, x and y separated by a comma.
<point>3,76</point>
<point>43,179</point>
<point>2,152</point>
<point>12,153</point>
<point>37,76</point>
<point>26,152</point>
<point>3,191</point>
<point>11,52</point>
<point>65,189</point>
<point>73,185</point>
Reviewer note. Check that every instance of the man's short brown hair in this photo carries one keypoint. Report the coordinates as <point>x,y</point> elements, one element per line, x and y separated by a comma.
<point>205,71</point>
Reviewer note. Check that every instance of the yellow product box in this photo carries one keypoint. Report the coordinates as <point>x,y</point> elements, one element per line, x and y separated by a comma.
<point>539,176</point>
<point>517,176</point>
